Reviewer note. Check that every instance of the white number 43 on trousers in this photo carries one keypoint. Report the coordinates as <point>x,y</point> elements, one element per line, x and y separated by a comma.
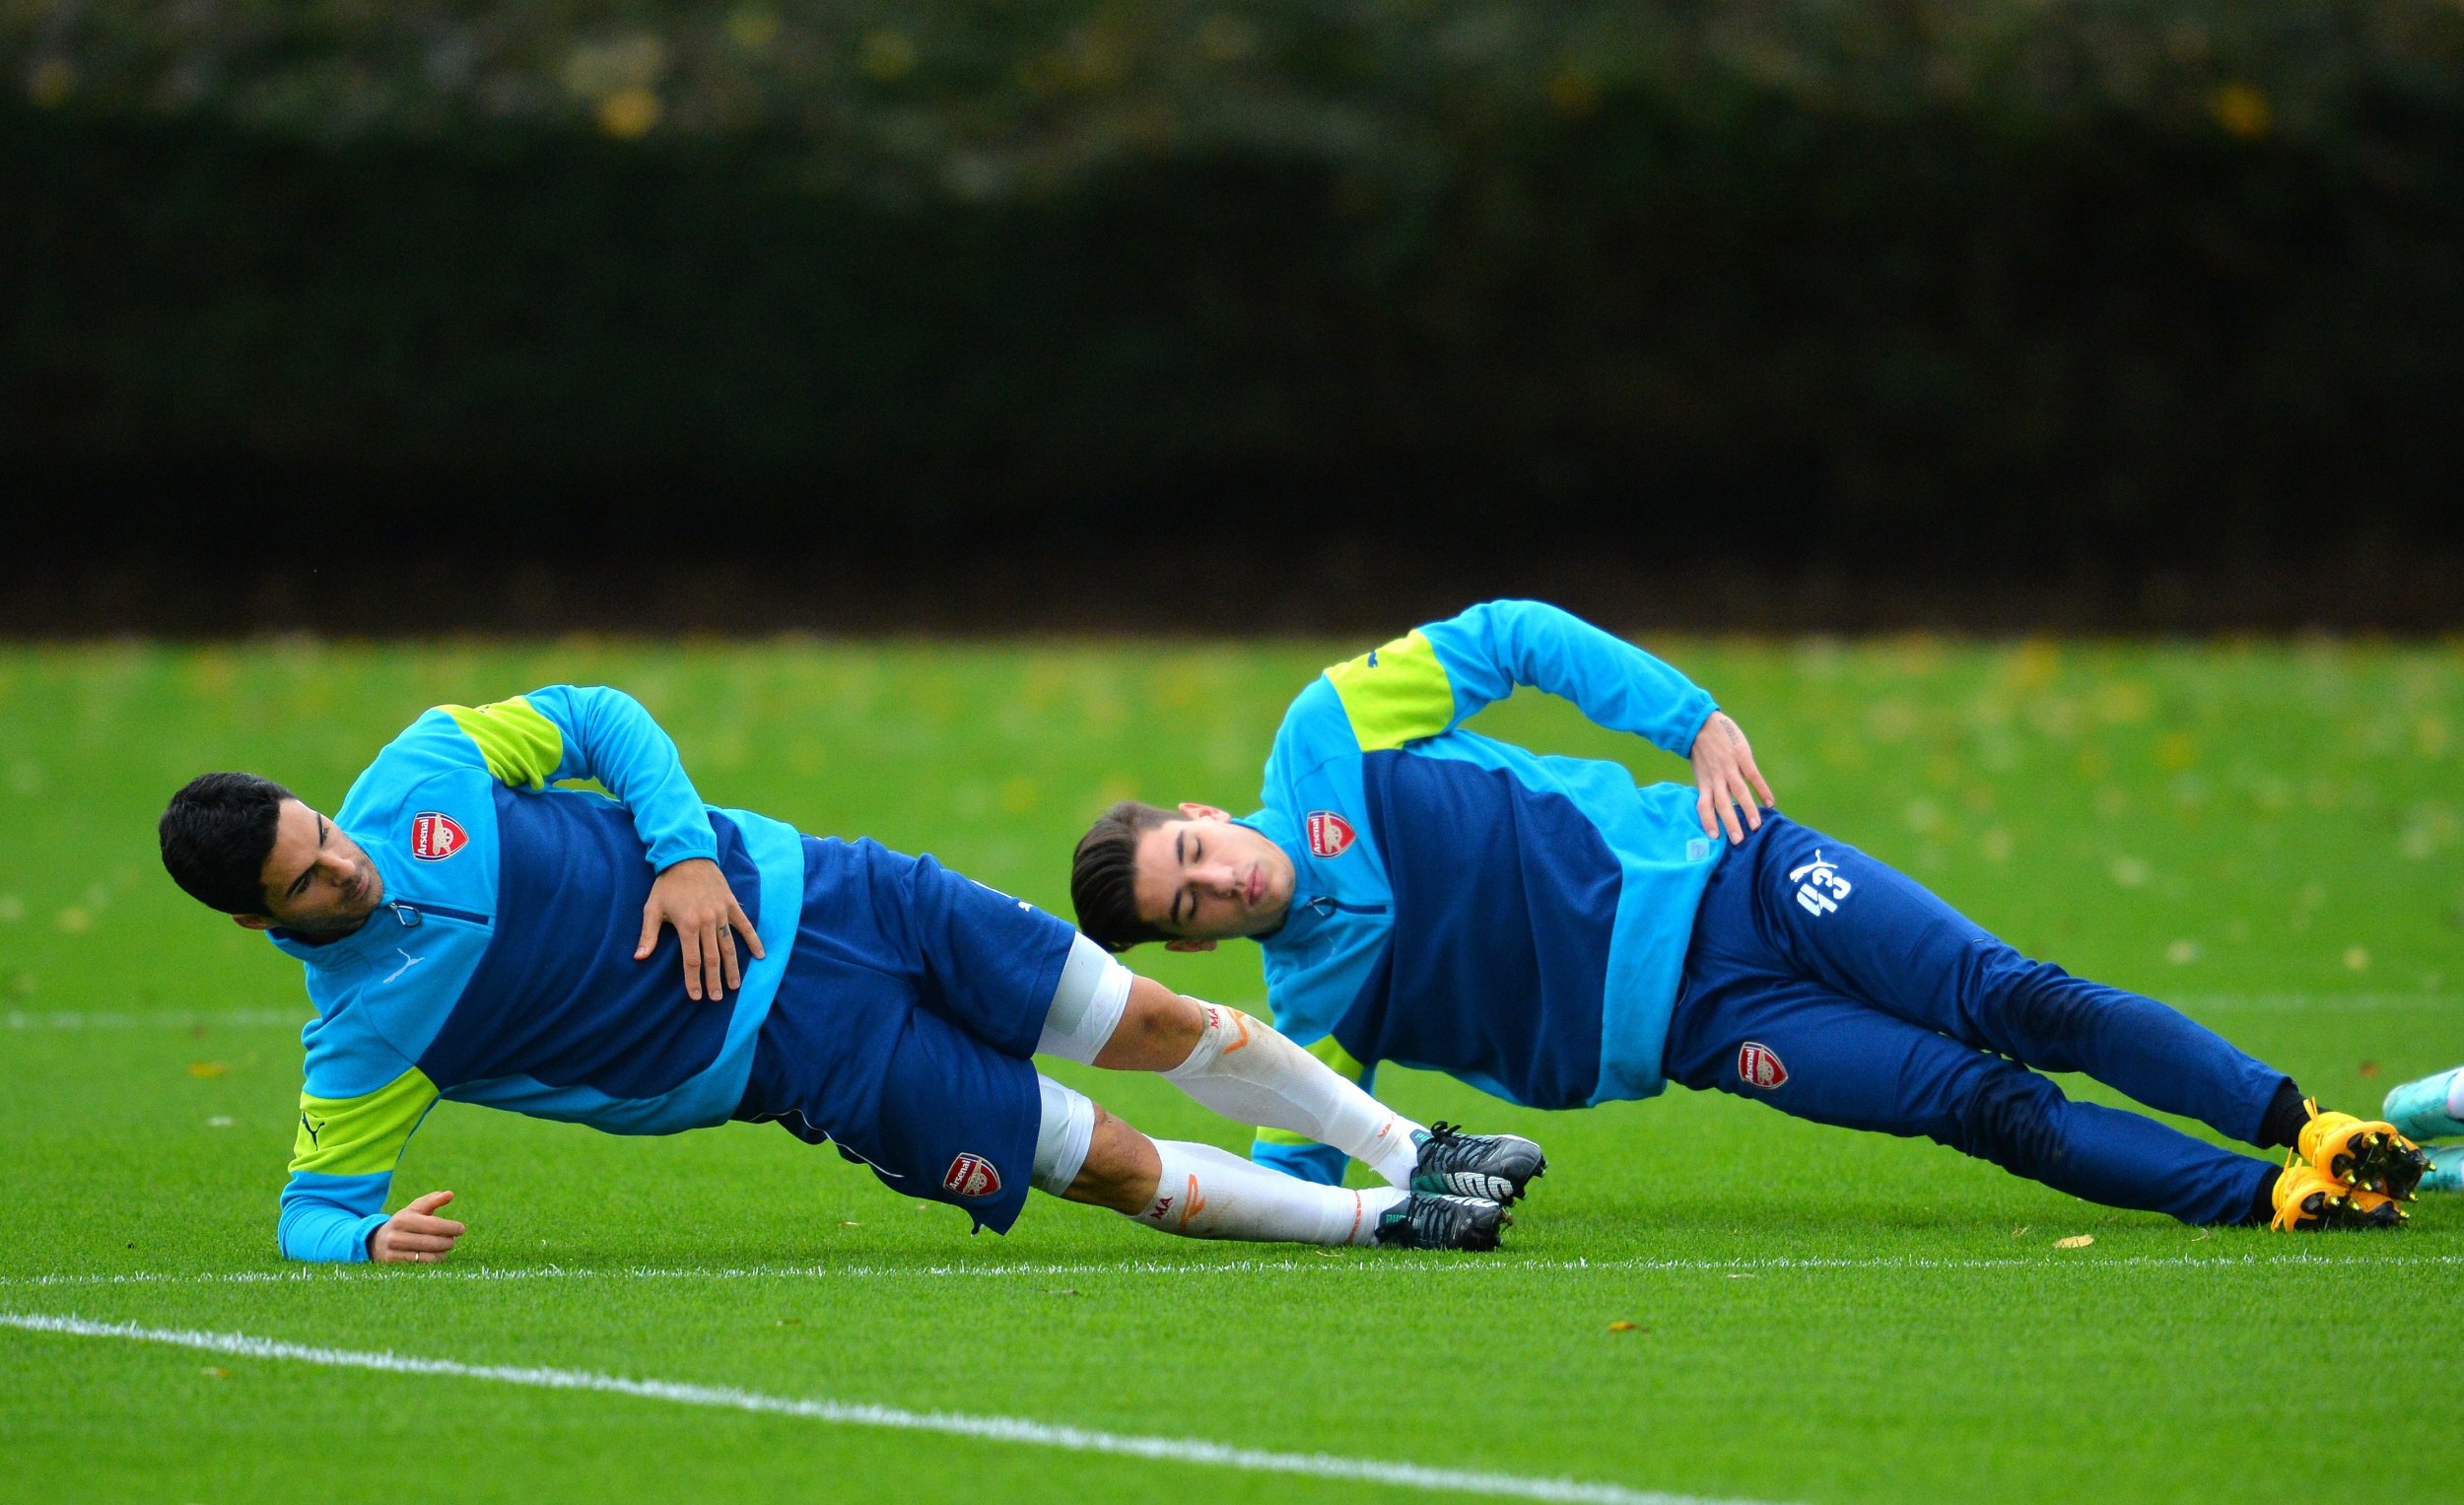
<point>1820,887</point>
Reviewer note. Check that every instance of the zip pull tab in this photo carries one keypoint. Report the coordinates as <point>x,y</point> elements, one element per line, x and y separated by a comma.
<point>1324,904</point>
<point>405,913</point>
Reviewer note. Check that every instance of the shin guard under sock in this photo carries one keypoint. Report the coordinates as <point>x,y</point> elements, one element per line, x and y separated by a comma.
<point>1206,1192</point>
<point>1244,1069</point>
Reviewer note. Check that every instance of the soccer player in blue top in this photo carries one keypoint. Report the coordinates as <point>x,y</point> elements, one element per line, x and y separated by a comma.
<point>644,963</point>
<point>1547,931</point>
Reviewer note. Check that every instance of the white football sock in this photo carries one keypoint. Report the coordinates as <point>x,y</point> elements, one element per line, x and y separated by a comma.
<point>1209,1193</point>
<point>1244,1069</point>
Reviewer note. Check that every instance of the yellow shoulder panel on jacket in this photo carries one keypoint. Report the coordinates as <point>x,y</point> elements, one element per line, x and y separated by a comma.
<point>361,1136</point>
<point>1396,694</point>
<point>1331,1050</point>
<point>522,746</point>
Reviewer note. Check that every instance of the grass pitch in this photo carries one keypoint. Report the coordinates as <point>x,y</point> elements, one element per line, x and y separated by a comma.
<point>2267,835</point>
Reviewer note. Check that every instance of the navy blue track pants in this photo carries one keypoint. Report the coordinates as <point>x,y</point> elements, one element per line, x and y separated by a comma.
<point>1830,985</point>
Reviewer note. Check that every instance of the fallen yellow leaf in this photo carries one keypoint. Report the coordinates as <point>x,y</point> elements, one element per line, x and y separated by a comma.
<point>208,1068</point>
<point>2075,1241</point>
<point>1620,1326</point>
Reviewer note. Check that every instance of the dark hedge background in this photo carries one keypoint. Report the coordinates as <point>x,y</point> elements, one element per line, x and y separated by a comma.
<point>1790,314</point>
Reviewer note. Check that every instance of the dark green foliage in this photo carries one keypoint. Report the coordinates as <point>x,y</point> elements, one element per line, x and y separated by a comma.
<point>2096,279</point>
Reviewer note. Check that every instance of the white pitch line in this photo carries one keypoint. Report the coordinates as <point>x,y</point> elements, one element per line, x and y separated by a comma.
<point>1010,1429</point>
<point>310,1275</point>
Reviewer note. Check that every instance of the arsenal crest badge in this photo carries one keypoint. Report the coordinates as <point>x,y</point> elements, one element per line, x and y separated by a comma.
<point>1757,1065</point>
<point>435,837</point>
<point>1330,834</point>
<point>971,1176</point>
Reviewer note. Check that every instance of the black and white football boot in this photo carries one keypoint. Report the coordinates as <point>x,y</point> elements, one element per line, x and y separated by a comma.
<point>1434,1221</point>
<point>1498,1167</point>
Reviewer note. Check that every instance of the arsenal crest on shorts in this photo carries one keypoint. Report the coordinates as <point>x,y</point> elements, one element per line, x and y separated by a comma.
<point>971,1176</point>
<point>1330,834</point>
<point>435,837</point>
<point>1758,1066</point>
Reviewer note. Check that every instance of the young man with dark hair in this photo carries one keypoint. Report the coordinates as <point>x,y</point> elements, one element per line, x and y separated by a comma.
<point>646,963</point>
<point>1550,932</point>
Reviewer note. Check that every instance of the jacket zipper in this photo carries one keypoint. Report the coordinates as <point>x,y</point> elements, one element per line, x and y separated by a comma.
<point>1326,906</point>
<point>409,913</point>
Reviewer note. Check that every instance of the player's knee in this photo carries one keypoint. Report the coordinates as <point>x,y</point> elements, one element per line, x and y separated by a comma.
<point>1106,1015</point>
<point>2043,1003</point>
<point>2014,1119</point>
<point>1120,1170</point>
<point>1085,1154</point>
<point>1159,1029</point>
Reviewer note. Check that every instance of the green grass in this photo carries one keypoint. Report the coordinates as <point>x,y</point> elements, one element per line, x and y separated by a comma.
<point>2268,834</point>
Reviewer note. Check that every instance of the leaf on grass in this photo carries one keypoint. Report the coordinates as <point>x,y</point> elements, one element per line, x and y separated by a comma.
<point>1622,1325</point>
<point>215,1372</point>
<point>848,1222</point>
<point>2075,1241</point>
<point>2020,1231</point>
<point>2369,1068</point>
<point>208,1068</point>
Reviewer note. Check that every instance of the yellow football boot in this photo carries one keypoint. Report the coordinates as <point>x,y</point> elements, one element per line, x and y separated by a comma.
<point>2366,1154</point>
<point>2372,1210</point>
<point>2309,1200</point>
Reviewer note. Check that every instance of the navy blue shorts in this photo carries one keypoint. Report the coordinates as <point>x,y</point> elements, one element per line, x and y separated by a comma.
<point>904,1024</point>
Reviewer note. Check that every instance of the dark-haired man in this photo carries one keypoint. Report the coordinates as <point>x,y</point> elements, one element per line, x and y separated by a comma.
<point>646,963</point>
<point>1547,931</point>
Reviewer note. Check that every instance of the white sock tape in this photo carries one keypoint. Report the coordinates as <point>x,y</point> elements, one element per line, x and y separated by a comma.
<point>1062,1138</point>
<point>1087,1004</point>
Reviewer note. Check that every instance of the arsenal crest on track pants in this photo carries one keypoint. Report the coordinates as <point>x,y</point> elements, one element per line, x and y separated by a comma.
<point>1830,985</point>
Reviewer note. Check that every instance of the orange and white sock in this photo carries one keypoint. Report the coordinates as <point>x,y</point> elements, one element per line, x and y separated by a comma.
<point>1244,1069</point>
<point>1206,1192</point>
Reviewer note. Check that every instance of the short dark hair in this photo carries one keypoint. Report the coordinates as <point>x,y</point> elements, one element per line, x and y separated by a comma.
<point>217,833</point>
<point>1104,876</point>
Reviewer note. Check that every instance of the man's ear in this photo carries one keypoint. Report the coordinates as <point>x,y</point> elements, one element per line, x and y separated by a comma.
<point>253,922</point>
<point>1185,943</point>
<point>1204,812</point>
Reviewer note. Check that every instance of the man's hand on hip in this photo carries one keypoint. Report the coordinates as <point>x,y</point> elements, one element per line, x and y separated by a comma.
<point>415,1235</point>
<point>1726,779</point>
<point>694,897</point>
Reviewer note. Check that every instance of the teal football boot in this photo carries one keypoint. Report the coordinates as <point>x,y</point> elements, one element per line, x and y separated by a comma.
<point>1497,1168</point>
<point>2419,1109</point>
<point>2446,1168</point>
